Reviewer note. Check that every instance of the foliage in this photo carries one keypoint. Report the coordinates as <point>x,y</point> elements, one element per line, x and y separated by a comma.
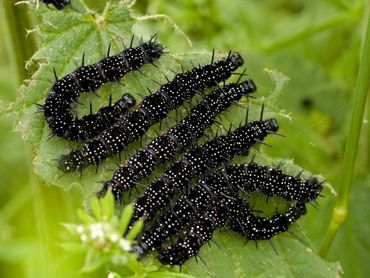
<point>95,33</point>
<point>99,239</point>
<point>316,43</point>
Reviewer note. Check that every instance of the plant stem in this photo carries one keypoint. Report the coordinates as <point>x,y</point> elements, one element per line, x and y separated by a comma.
<point>340,211</point>
<point>20,47</point>
<point>367,165</point>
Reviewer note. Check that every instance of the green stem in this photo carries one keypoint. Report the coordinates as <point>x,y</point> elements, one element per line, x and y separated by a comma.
<point>367,165</point>
<point>20,48</point>
<point>340,211</point>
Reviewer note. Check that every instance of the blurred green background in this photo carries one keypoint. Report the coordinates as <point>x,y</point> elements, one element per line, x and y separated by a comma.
<point>315,43</point>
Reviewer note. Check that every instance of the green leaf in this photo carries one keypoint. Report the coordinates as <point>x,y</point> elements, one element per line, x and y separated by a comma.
<point>238,259</point>
<point>135,230</point>
<point>107,204</point>
<point>280,80</point>
<point>93,261</point>
<point>85,217</point>
<point>134,265</point>
<point>125,218</point>
<point>97,209</point>
<point>65,37</point>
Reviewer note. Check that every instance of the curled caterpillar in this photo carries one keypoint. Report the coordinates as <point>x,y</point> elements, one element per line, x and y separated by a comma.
<point>235,214</point>
<point>266,179</point>
<point>65,91</point>
<point>153,108</point>
<point>198,161</point>
<point>91,125</point>
<point>182,135</point>
<point>243,221</point>
<point>273,182</point>
<point>58,4</point>
<point>228,182</point>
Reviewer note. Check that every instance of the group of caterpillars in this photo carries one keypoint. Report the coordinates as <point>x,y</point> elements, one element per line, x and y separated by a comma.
<point>179,217</point>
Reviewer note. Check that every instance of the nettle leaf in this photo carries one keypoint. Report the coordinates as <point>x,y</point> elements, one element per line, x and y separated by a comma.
<point>65,36</point>
<point>235,258</point>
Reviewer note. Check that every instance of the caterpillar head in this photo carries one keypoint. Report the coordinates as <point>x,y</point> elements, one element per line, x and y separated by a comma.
<point>236,59</point>
<point>248,86</point>
<point>153,51</point>
<point>116,191</point>
<point>300,209</point>
<point>272,125</point>
<point>71,162</point>
<point>314,186</point>
<point>140,249</point>
<point>126,101</point>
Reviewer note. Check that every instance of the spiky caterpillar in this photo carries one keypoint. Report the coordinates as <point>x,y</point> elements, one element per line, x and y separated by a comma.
<point>274,182</point>
<point>57,108</point>
<point>154,108</point>
<point>227,182</point>
<point>251,227</point>
<point>239,217</point>
<point>184,134</point>
<point>292,188</point>
<point>91,125</point>
<point>197,162</point>
<point>58,4</point>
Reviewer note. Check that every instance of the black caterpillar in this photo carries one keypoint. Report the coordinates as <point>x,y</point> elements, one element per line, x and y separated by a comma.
<point>184,134</point>
<point>266,179</point>
<point>153,108</point>
<point>197,162</point>
<point>227,183</point>
<point>237,215</point>
<point>251,227</point>
<point>67,90</point>
<point>58,4</point>
<point>91,125</point>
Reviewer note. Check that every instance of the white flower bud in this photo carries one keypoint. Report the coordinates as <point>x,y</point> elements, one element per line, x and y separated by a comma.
<point>125,244</point>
